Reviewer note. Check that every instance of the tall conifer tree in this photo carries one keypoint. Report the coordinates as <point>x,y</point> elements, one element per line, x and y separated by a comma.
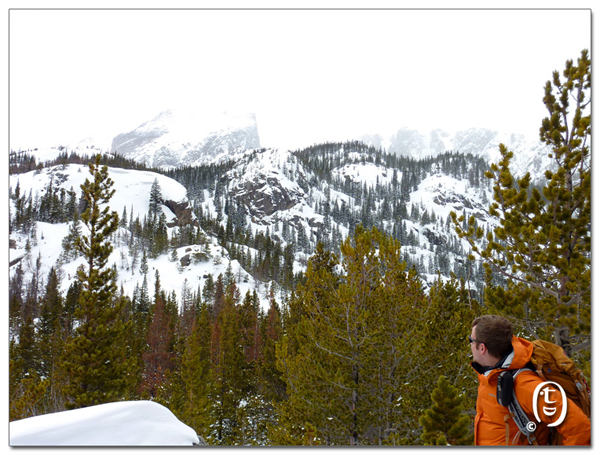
<point>229,379</point>
<point>158,358</point>
<point>195,375</point>
<point>445,423</point>
<point>447,322</point>
<point>51,341</point>
<point>95,358</point>
<point>542,246</point>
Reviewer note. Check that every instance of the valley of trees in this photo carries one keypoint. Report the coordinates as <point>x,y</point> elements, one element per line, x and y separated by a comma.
<point>353,351</point>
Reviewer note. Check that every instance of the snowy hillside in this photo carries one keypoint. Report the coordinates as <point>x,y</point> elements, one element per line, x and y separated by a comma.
<point>187,137</point>
<point>291,198</point>
<point>131,197</point>
<point>127,423</point>
<point>368,173</point>
<point>132,188</point>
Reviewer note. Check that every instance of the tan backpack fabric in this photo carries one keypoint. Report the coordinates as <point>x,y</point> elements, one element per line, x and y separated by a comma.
<point>552,364</point>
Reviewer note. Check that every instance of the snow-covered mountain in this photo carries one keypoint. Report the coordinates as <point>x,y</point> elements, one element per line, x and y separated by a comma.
<point>267,183</point>
<point>295,198</point>
<point>276,193</point>
<point>187,137</point>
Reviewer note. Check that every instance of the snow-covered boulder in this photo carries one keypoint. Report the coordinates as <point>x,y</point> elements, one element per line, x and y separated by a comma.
<point>125,423</point>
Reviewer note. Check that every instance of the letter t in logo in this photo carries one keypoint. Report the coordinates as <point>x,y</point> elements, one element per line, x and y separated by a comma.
<point>550,411</point>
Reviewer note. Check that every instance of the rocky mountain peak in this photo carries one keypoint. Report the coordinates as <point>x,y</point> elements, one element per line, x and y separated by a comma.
<point>187,137</point>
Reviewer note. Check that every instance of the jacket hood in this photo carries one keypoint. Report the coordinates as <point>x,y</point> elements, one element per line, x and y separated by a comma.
<point>518,358</point>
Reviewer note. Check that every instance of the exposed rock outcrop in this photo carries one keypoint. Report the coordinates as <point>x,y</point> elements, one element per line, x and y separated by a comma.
<point>183,213</point>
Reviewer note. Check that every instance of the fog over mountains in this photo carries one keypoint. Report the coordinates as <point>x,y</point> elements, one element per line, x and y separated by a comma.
<point>194,136</point>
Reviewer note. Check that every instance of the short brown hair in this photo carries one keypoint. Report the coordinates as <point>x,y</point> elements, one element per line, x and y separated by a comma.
<point>495,332</point>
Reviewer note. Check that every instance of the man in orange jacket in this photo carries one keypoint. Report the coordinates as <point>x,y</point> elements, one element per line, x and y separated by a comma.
<point>496,349</point>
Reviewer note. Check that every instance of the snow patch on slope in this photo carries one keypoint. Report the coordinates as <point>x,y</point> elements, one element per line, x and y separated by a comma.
<point>368,173</point>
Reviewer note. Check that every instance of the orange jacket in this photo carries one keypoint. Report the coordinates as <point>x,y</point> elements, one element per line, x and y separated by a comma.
<point>490,424</point>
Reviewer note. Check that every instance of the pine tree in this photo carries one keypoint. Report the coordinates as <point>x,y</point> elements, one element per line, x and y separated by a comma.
<point>208,290</point>
<point>95,358</point>
<point>158,357</point>
<point>70,306</point>
<point>144,264</point>
<point>346,352</point>
<point>156,199</point>
<point>26,395</point>
<point>445,423</point>
<point>51,340</point>
<point>28,348</point>
<point>160,238</point>
<point>195,376</point>
<point>68,243</point>
<point>187,307</point>
<point>271,384</point>
<point>229,381</point>
<point>542,246</point>
<point>249,323</point>
<point>218,296</point>
<point>443,333</point>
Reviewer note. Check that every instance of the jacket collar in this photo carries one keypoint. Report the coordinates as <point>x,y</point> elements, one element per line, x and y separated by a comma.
<point>502,364</point>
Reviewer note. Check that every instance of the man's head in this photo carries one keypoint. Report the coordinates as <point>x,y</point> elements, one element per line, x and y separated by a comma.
<point>491,339</point>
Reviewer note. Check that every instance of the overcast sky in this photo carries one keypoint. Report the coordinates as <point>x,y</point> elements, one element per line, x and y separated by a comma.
<point>310,76</point>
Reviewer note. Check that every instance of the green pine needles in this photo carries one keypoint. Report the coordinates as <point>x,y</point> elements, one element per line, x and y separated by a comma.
<point>445,423</point>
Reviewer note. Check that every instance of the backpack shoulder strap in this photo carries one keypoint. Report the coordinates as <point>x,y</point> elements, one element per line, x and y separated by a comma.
<point>524,424</point>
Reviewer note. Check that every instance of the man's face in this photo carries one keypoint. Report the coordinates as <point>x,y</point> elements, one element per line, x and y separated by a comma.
<point>475,347</point>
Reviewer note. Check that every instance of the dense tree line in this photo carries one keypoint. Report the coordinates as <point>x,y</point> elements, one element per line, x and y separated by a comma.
<point>354,355</point>
<point>385,205</point>
<point>211,355</point>
<point>20,162</point>
<point>25,161</point>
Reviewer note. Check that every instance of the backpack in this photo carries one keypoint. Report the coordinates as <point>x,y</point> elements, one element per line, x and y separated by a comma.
<point>551,363</point>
